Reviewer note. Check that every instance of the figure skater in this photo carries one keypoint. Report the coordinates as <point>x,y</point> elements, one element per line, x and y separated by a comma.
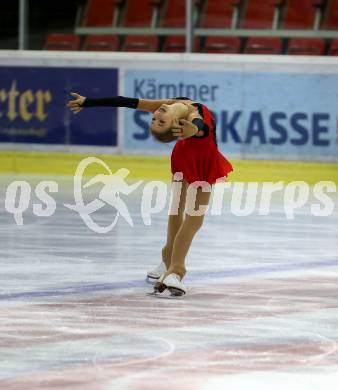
<point>195,155</point>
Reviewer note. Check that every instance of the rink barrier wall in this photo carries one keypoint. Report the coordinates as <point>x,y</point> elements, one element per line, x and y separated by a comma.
<point>157,167</point>
<point>266,107</point>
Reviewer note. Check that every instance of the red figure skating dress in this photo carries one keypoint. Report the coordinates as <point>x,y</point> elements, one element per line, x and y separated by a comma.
<point>198,158</point>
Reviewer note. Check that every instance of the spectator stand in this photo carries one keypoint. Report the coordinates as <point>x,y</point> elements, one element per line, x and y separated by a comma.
<point>241,19</point>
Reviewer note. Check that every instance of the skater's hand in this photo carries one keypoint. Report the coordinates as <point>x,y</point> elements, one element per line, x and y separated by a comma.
<point>76,104</point>
<point>184,129</point>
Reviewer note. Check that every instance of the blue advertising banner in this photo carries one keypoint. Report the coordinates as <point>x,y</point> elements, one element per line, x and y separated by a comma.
<point>33,106</point>
<point>258,115</point>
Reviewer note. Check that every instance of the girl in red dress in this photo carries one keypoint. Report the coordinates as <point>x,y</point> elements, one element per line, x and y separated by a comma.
<point>195,157</point>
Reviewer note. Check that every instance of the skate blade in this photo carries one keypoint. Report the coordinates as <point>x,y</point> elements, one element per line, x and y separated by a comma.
<point>151,280</point>
<point>173,292</point>
<point>159,287</point>
<point>166,295</point>
<point>152,294</point>
<point>176,292</point>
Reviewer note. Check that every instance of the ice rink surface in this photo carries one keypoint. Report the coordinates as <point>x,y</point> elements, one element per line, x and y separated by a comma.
<point>261,311</point>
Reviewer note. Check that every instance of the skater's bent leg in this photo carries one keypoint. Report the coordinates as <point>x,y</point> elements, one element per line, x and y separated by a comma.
<point>185,235</point>
<point>174,221</point>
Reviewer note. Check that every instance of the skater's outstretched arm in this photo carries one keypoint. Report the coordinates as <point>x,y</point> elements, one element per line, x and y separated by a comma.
<point>153,105</point>
<point>148,105</point>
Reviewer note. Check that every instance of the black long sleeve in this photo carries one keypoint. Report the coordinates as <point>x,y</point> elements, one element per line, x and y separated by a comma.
<point>116,101</point>
<point>201,126</point>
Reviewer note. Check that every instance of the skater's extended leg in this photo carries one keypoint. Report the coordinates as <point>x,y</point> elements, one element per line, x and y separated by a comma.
<point>174,221</point>
<point>189,227</point>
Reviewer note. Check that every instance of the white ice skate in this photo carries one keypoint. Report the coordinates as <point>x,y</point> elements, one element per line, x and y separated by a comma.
<point>156,273</point>
<point>173,283</point>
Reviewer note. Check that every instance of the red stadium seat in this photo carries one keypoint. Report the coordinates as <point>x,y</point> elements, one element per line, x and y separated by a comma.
<point>334,48</point>
<point>300,14</point>
<point>101,43</point>
<point>331,16</point>
<point>319,3</point>
<point>306,47</point>
<point>259,14</point>
<point>62,42</point>
<point>222,45</point>
<point>140,43</point>
<point>217,14</point>
<point>174,13</point>
<point>100,12</point>
<point>261,45</point>
<point>138,13</point>
<point>176,44</point>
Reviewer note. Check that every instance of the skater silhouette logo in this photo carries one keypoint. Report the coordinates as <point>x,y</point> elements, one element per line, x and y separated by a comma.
<point>114,184</point>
